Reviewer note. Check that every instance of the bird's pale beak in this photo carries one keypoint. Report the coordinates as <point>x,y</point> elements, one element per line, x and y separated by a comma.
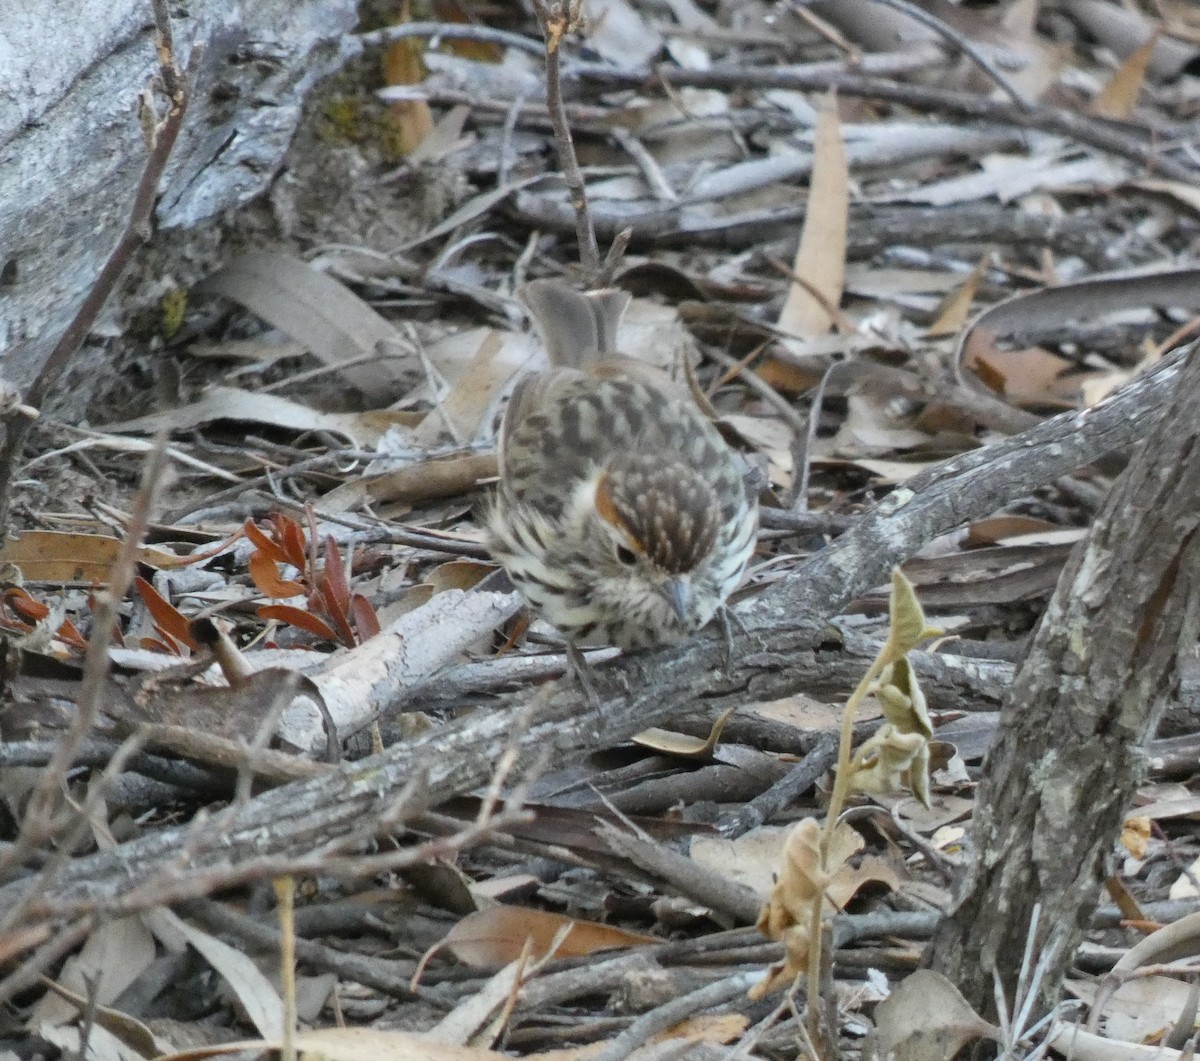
<point>678,592</point>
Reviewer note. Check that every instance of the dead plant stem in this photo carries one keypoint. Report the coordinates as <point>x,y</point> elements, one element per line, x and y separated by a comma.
<point>841,781</point>
<point>556,21</point>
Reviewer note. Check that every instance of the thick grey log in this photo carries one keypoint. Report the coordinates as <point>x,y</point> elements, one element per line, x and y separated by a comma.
<point>71,149</point>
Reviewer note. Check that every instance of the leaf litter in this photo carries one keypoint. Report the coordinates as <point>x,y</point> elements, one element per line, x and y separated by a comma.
<point>324,518</point>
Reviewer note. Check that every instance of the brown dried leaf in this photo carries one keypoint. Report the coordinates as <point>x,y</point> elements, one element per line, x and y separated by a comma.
<point>684,745</point>
<point>809,715</point>
<point>926,1018</point>
<point>1135,835</point>
<point>1027,376</point>
<point>412,120</point>
<point>494,937</point>
<point>706,1028</point>
<point>1139,1010</point>
<point>60,556</point>
<point>1084,300</point>
<point>462,411</point>
<point>229,403</point>
<point>377,1044</point>
<point>956,307</point>
<point>1118,98</point>
<point>996,529</point>
<point>849,880</point>
<point>821,257</point>
<point>115,954</point>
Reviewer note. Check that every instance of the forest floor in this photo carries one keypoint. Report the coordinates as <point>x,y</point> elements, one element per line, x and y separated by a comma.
<point>987,228</point>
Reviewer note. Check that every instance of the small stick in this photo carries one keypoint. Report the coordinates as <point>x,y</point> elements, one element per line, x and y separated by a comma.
<point>965,46</point>
<point>556,20</point>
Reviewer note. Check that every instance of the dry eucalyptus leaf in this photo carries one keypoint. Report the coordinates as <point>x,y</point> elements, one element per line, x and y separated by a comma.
<point>1070,1040</point>
<point>944,809</point>
<point>464,413</point>
<point>1139,1009</point>
<point>926,1018</point>
<point>494,937</point>
<point>1089,299</point>
<point>228,403</point>
<point>377,1044</point>
<point>316,310</point>
<point>1030,376</point>
<point>996,530</point>
<point>821,257</point>
<point>684,745</point>
<point>956,308</point>
<point>805,713</point>
<point>1118,98</point>
<point>752,859</point>
<point>114,955</point>
<point>1124,30</point>
<point>254,991</point>
<point>706,1028</point>
<point>849,880</point>
<point>473,1021</point>
<point>63,556</point>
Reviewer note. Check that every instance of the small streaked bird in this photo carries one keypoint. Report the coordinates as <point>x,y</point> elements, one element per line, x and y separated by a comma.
<point>621,515</point>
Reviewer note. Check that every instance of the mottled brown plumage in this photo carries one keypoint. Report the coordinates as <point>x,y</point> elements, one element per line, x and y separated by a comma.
<point>621,515</point>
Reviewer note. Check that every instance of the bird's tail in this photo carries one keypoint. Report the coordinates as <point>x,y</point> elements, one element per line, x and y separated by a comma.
<point>577,329</point>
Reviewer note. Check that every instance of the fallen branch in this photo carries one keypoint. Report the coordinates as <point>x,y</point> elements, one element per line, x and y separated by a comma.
<point>1084,129</point>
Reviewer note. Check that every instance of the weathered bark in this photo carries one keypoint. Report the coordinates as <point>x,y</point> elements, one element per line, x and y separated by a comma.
<point>1103,664</point>
<point>71,148</point>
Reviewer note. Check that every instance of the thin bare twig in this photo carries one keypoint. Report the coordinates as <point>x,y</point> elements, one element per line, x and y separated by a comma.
<point>556,21</point>
<point>963,45</point>
<point>450,31</point>
<point>802,448</point>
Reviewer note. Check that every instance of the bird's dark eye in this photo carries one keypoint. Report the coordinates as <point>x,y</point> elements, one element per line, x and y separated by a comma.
<point>627,556</point>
